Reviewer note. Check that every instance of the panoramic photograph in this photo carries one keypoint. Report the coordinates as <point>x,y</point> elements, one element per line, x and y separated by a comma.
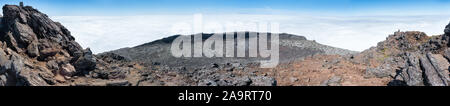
<point>195,50</point>
<point>224,43</point>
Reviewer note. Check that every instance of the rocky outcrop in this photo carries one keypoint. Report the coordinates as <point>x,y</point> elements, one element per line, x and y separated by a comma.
<point>425,69</point>
<point>414,58</point>
<point>412,72</point>
<point>36,51</point>
<point>85,62</point>
<point>435,75</point>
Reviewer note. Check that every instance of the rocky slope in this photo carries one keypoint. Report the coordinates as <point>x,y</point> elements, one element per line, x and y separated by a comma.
<point>414,59</point>
<point>35,51</point>
<point>410,58</point>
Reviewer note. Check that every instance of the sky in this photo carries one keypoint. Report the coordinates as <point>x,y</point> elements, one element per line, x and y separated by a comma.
<point>140,7</point>
<point>357,25</point>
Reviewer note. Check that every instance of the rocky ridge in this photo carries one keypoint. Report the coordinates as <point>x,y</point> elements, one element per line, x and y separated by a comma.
<point>410,58</point>
<point>36,51</point>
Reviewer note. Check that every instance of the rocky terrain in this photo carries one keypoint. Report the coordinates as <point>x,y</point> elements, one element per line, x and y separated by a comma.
<point>36,51</point>
<point>408,58</point>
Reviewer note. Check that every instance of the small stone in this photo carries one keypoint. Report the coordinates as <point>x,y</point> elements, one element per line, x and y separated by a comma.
<point>33,50</point>
<point>60,78</point>
<point>214,65</point>
<point>294,79</point>
<point>67,70</point>
<point>333,81</point>
<point>48,52</point>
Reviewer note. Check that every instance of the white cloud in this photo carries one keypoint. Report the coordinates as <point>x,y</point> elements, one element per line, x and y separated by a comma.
<point>104,33</point>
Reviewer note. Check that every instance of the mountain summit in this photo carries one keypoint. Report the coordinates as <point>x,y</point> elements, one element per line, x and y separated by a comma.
<point>292,47</point>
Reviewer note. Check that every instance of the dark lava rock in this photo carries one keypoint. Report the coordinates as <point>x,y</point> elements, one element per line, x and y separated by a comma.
<point>433,74</point>
<point>26,26</point>
<point>425,70</point>
<point>112,73</point>
<point>118,83</point>
<point>447,29</point>
<point>27,33</point>
<point>86,62</point>
<point>412,58</point>
<point>412,72</point>
<point>384,70</point>
<point>112,57</point>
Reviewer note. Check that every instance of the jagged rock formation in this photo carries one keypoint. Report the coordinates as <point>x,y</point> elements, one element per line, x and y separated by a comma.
<point>411,58</point>
<point>36,51</point>
<point>34,48</point>
<point>408,58</point>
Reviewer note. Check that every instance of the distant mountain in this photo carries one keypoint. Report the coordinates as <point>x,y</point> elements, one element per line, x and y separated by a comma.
<point>292,47</point>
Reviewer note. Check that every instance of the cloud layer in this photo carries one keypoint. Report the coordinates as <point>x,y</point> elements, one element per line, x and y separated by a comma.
<point>105,33</point>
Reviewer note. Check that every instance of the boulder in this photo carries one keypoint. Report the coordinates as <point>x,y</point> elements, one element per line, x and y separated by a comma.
<point>67,70</point>
<point>3,80</point>
<point>433,75</point>
<point>112,57</point>
<point>30,78</point>
<point>53,65</point>
<point>86,62</point>
<point>412,73</point>
<point>25,73</point>
<point>382,71</point>
<point>112,73</point>
<point>32,50</point>
<point>47,52</point>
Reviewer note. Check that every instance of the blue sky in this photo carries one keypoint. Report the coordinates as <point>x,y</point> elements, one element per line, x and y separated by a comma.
<point>146,7</point>
<point>104,25</point>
